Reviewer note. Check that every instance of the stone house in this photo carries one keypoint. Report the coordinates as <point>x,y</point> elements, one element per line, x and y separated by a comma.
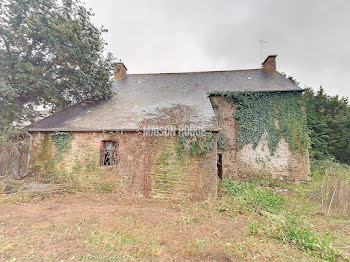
<point>141,139</point>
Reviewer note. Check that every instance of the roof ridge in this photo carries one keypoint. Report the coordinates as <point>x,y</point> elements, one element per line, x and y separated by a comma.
<point>196,72</point>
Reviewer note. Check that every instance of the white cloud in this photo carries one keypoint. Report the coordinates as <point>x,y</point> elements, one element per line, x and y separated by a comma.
<point>311,38</point>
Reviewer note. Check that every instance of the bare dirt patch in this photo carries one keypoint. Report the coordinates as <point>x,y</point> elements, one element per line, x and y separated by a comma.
<point>107,228</point>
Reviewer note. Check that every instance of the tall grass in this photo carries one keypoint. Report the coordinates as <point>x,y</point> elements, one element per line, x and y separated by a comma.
<point>331,186</point>
<point>291,229</point>
<point>281,224</point>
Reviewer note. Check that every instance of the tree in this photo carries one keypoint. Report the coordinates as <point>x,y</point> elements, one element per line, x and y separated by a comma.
<point>328,119</point>
<point>319,131</point>
<point>50,55</point>
<point>329,123</point>
<point>341,139</point>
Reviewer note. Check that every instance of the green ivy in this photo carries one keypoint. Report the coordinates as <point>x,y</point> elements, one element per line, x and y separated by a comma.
<point>196,145</point>
<point>221,142</point>
<point>62,141</point>
<point>277,113</point>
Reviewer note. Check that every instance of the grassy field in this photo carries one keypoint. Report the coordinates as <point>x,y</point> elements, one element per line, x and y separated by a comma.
<point>250,221</point>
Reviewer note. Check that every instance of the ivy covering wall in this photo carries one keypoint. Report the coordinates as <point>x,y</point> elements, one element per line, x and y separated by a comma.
<point>277,113</point>
<point>196,145</point>
<point>62,141</point>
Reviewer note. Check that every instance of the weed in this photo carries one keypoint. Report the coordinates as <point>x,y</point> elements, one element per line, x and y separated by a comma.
<point>132,221</point>
<point>195,248</point>
<point>41,195</point>
<point>331,186</point>
<point>256,228</point>
<point>104,188</point>
<point>9,186</point>
<point>187,220</point>
<point>280,224</point>
<point>253,197</point>
<point>293,230</point>
<point>124,243</point>
<point>22,197</point>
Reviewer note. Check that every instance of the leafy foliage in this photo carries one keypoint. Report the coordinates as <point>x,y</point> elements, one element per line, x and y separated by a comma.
<point>252,197</point>
<point>221,142</point>
<point>286,226</point>
<point>292,230</point>
<point>62,142</point>
<point>196,145</point>
<point>50,55</point>
<point>275,113</point>
<point>329,122</point>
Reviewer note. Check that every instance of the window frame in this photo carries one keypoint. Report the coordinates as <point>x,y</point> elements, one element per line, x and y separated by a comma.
<point>114,153</point>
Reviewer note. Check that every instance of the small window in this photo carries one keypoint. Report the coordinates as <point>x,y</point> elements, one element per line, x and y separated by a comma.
<point>109,153</point>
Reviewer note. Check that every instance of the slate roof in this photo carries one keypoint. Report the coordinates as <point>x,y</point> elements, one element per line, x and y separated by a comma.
<point>164,99</point>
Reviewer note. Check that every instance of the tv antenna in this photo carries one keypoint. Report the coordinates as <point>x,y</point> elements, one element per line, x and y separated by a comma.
<point>262,42</point>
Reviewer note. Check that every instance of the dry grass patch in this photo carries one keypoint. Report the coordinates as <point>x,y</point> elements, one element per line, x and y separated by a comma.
<point>248,222</point>
<point>107,228</point>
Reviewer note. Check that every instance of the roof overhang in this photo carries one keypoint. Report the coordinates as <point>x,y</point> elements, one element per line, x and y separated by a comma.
<point>177,130</point>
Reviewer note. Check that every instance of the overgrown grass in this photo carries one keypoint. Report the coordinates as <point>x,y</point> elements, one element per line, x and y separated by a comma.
<point>9,186</point>
<point>289,229</point>
<point>121,245</point>
<point>251,196</point>
<point>278,222</point>
<point>293,230</point>
<point>331,186</point>
<point>281,224</point>
<point>14,192</point>
<point>104,188</point>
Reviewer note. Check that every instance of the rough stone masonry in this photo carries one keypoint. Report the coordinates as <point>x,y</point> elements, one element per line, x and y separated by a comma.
<point>105,132</point>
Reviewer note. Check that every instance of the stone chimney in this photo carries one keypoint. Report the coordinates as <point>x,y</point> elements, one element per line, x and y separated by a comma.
<point>119,70</point>
<point>270,63</point>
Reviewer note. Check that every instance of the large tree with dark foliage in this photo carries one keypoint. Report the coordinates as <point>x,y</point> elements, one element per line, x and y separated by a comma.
<point>50,54</point>
<point>329,123</point>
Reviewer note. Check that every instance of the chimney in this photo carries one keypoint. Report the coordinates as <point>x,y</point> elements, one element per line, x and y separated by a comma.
<point>270,63</point>
<point>119,70</point>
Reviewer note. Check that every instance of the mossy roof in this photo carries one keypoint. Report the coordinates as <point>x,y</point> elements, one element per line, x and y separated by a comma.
<point>164,99</point>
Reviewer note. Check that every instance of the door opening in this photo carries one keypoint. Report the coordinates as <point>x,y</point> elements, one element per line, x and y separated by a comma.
<point>219,165</point>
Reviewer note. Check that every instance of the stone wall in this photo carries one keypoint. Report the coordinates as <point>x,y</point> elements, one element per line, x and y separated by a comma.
<point>249,161</point>
<point>147,165</point>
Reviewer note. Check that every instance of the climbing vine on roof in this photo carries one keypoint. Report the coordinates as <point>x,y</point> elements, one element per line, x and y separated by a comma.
<point>277,113</point>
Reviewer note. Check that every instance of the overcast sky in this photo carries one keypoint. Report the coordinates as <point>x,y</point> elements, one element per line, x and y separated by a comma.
<point>310,37</point>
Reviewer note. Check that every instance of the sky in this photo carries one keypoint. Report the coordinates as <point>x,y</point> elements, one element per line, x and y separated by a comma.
<point>310,37</point>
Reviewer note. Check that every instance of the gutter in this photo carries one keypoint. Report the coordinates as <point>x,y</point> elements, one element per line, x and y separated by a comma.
<point>177,130</point>
<point>213,93</point>
<point>28,157</point>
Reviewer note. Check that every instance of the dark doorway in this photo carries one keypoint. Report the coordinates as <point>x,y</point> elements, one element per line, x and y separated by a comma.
<point>219,165</point>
